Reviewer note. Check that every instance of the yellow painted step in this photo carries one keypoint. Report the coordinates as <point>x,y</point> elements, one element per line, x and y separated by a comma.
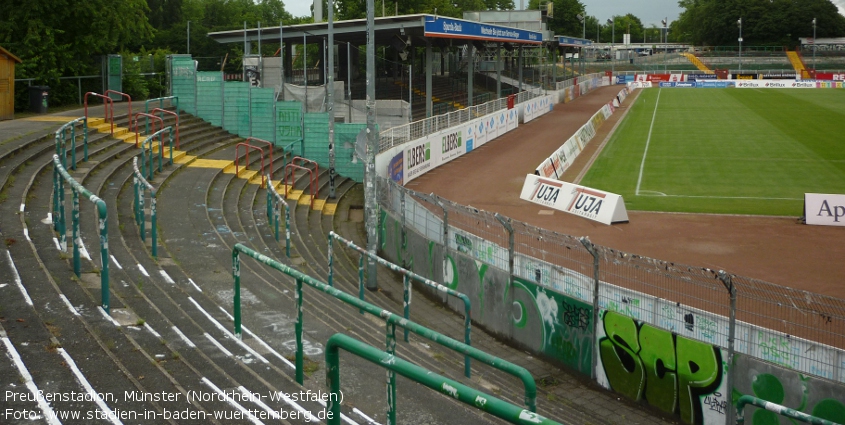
<point>294,194</point>
<point>304,199</point>
<point>95,121</point>
<point>319,204</point>
<point>176,154</point>
<point>243,173</point>
<point>214,163</point>
<point>184,158</point>
<point>329,208</point>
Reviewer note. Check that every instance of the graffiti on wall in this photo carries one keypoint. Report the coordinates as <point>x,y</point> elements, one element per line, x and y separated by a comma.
<point>565,324</point>
<point>817,397</point>
<point>673,373</point>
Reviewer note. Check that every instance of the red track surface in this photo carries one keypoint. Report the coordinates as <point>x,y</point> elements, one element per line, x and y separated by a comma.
<point>777,250</point>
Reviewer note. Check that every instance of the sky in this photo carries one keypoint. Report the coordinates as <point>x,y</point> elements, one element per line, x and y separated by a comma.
<point>649,11</point>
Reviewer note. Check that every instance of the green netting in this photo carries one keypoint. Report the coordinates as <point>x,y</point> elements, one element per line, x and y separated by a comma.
<point>236,108</point>
<point>183,82</point>
<point>210,97</point>
<point>289,125</point>
<point>345,162</point>
<point>317,137</point>
<point>262,111</point>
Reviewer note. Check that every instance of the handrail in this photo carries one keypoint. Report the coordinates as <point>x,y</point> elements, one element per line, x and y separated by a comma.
<point>390,318</point>
<point>160,101</point>
<point>140,182</point>
<point>134,120</point>
<point>467,395</point>
<point>312,182</point>
<point>122,95</point>
<point>176,115</point>
<point>106,100</point>
<point>60,175</point>
<point>60,141</point>
<point>150,139</point>
<point>777,408</point>
<point>247,147</point>
<point>269,149</point>
<point>407,274</point>
<point>273,213</point>
<point>303,161</point>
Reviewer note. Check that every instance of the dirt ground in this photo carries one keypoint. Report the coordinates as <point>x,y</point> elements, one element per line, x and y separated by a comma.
<point>774,249</point>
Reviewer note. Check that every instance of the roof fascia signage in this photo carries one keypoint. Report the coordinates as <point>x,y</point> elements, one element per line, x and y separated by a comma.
<point>436,26</point>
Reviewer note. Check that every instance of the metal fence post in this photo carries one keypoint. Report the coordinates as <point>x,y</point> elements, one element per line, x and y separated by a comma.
<point>153,231</point>
<point>406,301</point>
<point>236,309</point>
<point>404,232</point>
<point>729,285</point>
<point>143,215</point>
<point>390,340</point>
<point>330,256</point>
<point>506,223</point>
<point>361,280</point>
<point>595,253</point>
<point>75,224</point>
<point>300,372</point>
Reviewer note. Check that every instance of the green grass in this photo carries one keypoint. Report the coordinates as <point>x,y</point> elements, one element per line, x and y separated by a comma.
<point>729,151</point>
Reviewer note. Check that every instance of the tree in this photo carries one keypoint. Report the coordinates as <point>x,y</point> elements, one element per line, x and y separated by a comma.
<point>564,20</point>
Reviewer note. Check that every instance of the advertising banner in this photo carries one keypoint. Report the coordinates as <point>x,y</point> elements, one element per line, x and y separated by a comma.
<point>527,111</point>
<point>592,204</point>
<point>501,118</point>
<point>469,133</point>
<point>480,133</point>
<point>513,119</point>
<point>822,209</point>
<point>490,127</point>
<point>418,159</point>
<point>829,76</point>
<point>701,77</point>
<point>451,145</point>
<point>438,26</point>
<point>639,84</point>
<point>775,84</point>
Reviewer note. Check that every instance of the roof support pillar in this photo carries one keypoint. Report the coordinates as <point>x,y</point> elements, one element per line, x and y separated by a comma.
<point>429,59</point>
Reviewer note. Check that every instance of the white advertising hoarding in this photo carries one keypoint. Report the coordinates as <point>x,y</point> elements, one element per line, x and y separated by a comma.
<point>592,204</point>
<point>822,209</point>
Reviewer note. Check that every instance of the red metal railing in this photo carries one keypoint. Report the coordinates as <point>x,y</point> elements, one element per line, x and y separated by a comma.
<point>304,162</point>
<point>108,106</point>
<point>165,111</point>
<point>247,148</point>
<point>269,149</point>
<point>128,98</point>
<point>312,179</point>
<point>133,124</point>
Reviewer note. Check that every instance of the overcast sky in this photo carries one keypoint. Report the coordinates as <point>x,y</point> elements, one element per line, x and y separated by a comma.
<point>649,11</point>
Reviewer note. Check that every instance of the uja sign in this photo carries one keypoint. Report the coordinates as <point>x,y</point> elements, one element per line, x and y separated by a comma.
<point>824,209</point>
<point>604,207</point>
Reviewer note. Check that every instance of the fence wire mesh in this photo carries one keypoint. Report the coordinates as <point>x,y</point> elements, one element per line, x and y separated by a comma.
<point>790,327</point>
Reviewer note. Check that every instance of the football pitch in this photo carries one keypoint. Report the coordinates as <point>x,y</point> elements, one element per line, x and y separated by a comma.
<point>727,151</point>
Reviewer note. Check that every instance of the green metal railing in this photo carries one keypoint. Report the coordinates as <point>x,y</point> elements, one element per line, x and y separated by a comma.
<point>274,200</point>
<point>777,408</point>
<point>141,186</point>
<point>60,176</point>
<point>391,319</point>
<point>492,405</point>
<point>61,141</point>
<point>407,275</point>
<point>147,165</point>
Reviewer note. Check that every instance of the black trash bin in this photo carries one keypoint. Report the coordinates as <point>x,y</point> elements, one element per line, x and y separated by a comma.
<point>38,99</point>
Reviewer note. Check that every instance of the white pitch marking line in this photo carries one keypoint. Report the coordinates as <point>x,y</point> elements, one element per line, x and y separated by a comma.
<point>260,341</point>
<point>143,270</point>
<point>231,401</point>
<point>342,416</point>
<point>647,142</point>
<point>184,338</point>
<point>18,279</point>
<point>229,334</point>
<point>91,393</point>
<point>69,305</point>
<point>195,285</point>
<point>152,331</point>
<point>45,407</point>
<point>218,345</point>
<point>114,260</point>
<point>308,416</point>
<point>166,277</point>
<point>109,318</point>
<point>361,414</point>
<point>725,197</point>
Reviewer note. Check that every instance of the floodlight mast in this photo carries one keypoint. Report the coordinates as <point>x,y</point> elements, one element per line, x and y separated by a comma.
<point>612,24</point>
<point>814,47</point>
<point>739,22</point>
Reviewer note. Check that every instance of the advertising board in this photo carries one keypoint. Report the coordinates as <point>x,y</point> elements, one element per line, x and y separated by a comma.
<point>592,204</point>
<point>438,26</point>
<point>822,209</point>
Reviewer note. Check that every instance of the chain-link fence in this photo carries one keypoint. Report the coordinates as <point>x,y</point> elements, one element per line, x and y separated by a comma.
<point>797,329</point>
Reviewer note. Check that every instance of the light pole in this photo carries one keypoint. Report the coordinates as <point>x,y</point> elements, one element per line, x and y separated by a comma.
<point>814,47</point>
<point>583,20</point>
<point>739,22</point>
<point>612,39</point>
<point>665,38</point>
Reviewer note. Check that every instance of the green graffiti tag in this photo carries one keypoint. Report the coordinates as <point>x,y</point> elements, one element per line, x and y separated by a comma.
<point>665,370</point>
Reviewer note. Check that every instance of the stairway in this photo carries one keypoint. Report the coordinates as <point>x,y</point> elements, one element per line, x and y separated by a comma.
<point>798,63</point>
<point>697,62</point>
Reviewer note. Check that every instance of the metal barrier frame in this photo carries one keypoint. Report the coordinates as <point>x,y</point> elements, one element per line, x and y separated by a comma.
<point>60,176</point>
<point>128,98</point>
<point>61,133</point>
<point>406,275</point>
<point>176,115</point>
<point>160,101</point>
<point>141,185</point>
<point>470,396</point>
<point>247,147</point>
<point>149,163</point>
<point>303,161</point>
<point>312,181</point>
<point>269,150</point>
<point>134,120</point>
<point>391,319</point>
<point>274,199</point>
<point>106,109</point>
<point>777,408</point>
